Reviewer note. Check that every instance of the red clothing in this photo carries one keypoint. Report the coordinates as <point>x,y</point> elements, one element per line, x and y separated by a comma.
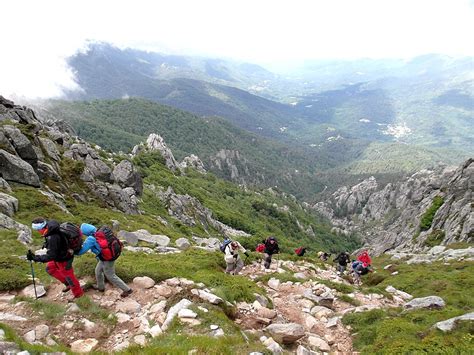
<point>63,271</point>
<point>365,258</point>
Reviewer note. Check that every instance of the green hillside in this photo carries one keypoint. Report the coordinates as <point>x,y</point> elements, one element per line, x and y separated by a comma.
<point>118,125</point>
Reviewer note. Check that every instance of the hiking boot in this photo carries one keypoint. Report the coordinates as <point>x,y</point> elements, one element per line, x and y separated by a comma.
<point>95,287</point>
<point>126,293</point>
<point>66,289</point>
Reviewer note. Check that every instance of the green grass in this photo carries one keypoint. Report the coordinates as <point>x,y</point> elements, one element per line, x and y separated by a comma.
<point>427,217</point>
<point>392,331</point>
<point>10,335</point>
<point>48,310</point>
<point>94,312</point>
<point>194,264</point>
<point>179,340</point>
<point>435,238</point>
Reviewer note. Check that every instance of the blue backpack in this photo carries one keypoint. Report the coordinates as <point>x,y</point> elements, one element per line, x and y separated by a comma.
<point>224,244</point>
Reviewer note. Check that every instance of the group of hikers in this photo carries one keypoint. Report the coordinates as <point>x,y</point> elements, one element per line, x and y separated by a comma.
<point>64,241</point>
<point>269,247</point>
<point>234,263</point>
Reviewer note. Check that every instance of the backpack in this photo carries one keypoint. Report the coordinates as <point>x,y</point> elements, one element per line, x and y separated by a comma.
<point>110,246</point>
<point>300,251</point>
<point>73,236</point>
<point>260,248</point>
<point>224,244</point>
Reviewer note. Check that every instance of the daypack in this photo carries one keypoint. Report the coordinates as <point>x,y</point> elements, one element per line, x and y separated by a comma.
<point>73,236</point>
<point>300,251</point>
<point>224,244</point>
<point>110,246</point>
<point>260,248</point>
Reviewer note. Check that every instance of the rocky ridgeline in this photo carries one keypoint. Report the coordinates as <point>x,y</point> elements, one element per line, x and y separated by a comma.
<point>388,217</point>
<point>155,142</point>
<point>305,318</point>
<point>33,152</point>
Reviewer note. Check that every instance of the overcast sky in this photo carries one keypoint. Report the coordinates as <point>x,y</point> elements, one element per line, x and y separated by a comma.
<point>38,35</point>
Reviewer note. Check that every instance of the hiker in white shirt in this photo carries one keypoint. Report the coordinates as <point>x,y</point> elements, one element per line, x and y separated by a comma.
<point>232,257</point>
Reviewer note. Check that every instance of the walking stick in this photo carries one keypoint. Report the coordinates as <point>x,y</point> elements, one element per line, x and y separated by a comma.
<point>33,274</point>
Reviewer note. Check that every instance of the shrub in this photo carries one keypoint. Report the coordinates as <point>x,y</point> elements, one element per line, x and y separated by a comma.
<point>427,218</point>
<point>436,237</point>
<point>14,273</point>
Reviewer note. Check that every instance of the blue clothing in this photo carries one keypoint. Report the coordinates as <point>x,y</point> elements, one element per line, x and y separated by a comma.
<point>90,244</point>
<point>88,229</point>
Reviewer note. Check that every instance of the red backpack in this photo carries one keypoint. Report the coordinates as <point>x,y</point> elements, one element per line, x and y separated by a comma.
<point>111,247</point>
<point>260,248</point>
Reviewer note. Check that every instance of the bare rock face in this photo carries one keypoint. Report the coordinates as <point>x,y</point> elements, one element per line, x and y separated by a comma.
<point>14,169</point>
<point>8,204</point>
<point>193,162</point>
<point>126,175</point>
<point>190,211</point>
<point>231,163</point>
<point>21,144</point>
<point>24,233</point>
<point>389,217</point>
<point>155,142</point>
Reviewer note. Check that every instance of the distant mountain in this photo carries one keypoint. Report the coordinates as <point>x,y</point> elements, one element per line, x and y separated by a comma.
<point>106,72</point>
<point>343,112</point>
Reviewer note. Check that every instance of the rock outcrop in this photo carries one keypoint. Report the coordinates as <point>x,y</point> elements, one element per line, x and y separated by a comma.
<point>30,153</point>
<point>190,211</point>
<point>388,217</point>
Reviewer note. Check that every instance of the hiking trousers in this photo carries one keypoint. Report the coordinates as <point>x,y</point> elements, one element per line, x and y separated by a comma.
<point>341,268</point>
<point>268,260</point>
<point>235,268</point>
<point>107,269</point>
<point>63,271</point>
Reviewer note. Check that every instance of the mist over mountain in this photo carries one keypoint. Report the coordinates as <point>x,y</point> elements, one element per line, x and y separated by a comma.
<point>390,109</point>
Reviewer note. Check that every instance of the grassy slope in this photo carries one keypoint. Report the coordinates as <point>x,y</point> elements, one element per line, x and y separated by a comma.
<point>394,332</point>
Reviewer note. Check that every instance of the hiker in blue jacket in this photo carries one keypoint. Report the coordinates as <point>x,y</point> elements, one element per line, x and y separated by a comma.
<point>104,267</point>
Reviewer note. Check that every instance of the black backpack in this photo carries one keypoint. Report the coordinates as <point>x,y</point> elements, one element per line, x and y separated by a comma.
<point>110,246</point>
<point>73,236</point>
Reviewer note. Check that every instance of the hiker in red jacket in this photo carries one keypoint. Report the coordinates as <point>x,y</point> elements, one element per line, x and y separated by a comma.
<point>365,258</point>
<point>58,258</point>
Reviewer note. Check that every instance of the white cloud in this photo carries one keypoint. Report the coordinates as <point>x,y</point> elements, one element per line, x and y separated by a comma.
<point>38,35</point>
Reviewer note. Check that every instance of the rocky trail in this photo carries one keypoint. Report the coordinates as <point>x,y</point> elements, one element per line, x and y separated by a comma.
<point>301,317</point>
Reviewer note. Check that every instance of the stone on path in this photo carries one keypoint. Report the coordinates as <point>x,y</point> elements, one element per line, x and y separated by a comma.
<point>286,333</point>
<point>84,346</point>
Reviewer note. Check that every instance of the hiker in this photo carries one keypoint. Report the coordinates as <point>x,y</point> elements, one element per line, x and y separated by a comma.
<point>97,243</point>
<point>271,247</point>
<point>232,257</point>
<point>359,268</point>
<point>342,259</point>
<point>365,258</point>
<point>324,256</point>
<point>58,258</point>
<point>300,251</point>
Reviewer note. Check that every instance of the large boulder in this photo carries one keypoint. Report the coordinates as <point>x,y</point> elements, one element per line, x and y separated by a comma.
<point>450,324</point>
<point>126,175</point>
<point>13,168</point>
<point>8,204</point>
<point>286,333</point>
<point>50,148</point>
<point>430,302</point>
<point>22,145</point>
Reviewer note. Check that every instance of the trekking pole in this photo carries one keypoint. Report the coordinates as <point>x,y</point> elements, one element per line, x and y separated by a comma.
<point>33,274</point>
